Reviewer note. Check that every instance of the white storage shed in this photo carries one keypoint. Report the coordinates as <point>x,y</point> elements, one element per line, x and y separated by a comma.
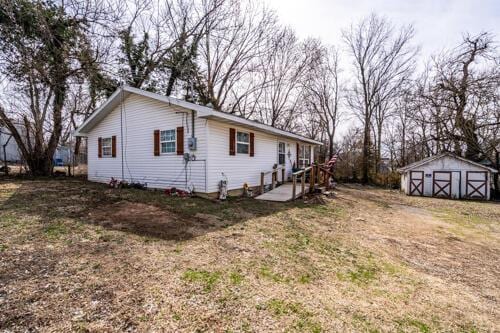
<point>448,176</point>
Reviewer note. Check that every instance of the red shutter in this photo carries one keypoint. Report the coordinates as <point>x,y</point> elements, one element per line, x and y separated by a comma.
<point>113,146</point>
<point>180,140</point>
<point>99,147</point>
<point>156,140</point>
<point>298,150</point>
<point>252,149</point>
<point>232,141</point>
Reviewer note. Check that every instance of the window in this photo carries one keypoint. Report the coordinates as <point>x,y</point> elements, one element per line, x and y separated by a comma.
<point>242,142</point>
<point>167,141</point>
<point>281,153</point>
<point>304,156</point>
<point>106,146</point>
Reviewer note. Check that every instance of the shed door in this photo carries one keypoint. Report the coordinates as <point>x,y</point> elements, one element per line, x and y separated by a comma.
<point>441,184</point>
<point>476,184</point>
<point>416,183</point>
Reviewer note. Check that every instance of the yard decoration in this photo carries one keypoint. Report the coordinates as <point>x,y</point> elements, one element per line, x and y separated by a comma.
<point>175,192</point>
<point>223,188</point>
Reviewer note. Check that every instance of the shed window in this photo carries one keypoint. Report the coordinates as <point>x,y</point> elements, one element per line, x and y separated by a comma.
<point>167,141</point>
<point>304,156</point>
<point>281,153</point>
<point>242,142</point>
<point>107,147</point>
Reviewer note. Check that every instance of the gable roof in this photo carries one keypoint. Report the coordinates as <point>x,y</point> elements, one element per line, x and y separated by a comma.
<point>439,156</point>
<point>202,112</point>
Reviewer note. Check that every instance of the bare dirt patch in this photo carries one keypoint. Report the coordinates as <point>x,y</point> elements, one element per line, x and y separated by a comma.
<point>152,221</point>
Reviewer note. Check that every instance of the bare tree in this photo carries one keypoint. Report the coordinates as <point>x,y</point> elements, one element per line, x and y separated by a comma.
<point>461,96</point>
<point>235,36</point>
<point>159,44</point>
<point>282,69</point>
<point>323,91</point>
<point>40,48</point>
<point>349,161</point>
<point>382,58</point>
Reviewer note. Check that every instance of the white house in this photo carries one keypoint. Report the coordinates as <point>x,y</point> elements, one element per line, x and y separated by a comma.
<point>139,136</point>
<point>449,176</point>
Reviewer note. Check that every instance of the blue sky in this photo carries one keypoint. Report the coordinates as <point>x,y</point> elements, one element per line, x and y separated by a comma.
<point>438,23</point>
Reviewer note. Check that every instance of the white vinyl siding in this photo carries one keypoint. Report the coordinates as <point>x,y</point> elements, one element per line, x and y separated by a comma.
<point>241,168</point>
<point>141,117</point>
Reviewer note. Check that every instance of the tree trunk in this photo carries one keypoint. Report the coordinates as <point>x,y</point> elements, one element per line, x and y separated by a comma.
<point>38,159</point>
<point>472,151</point>
<point>379,148</point>
<point>366,153</point>
<point>330,146</point>
<point>47,156</point>
<point>403,145</point>
<point>171,82</point>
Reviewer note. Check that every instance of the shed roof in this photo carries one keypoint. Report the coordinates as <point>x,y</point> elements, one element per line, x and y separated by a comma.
<point>439,156</point>
<point>202,112</point>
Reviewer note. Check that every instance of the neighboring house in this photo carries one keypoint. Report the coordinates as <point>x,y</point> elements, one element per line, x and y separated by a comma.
<point>385,165</point>
<point>62,156</point>
<point>139,136</point>
<point>8,143</point>
<point>449,176</point>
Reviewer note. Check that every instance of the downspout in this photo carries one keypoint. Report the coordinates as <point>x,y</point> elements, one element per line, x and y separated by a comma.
<point>192,123</point>
<point>121,132</point>
<point>188,158</point>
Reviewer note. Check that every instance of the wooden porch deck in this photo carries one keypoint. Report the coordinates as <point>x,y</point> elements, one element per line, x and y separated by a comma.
<point>298,187</point>
<point>282,193</point>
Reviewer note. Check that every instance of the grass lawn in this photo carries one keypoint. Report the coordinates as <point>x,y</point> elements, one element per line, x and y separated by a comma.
<point>77,256</point>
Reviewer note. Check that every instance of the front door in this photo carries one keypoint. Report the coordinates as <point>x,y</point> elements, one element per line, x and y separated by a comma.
<point>441,184</point>
<point>476,184</point>
<point>417,183</point>
<point>283,159</point>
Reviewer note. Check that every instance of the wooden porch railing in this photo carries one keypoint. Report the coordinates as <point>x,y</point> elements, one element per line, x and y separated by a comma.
<point>319,174</point>
<point>301,173</point>
<point>274,177</point>
<point>326,173</point>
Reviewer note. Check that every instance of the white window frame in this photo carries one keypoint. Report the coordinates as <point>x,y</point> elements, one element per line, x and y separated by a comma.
<point>168,141</point>
<point>108,145</point>
<point>303,158</point>
<point>243,142</point>
<point>282,152</point>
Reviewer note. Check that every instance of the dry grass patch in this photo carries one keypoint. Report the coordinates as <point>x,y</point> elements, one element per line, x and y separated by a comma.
<point>82,257</point>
